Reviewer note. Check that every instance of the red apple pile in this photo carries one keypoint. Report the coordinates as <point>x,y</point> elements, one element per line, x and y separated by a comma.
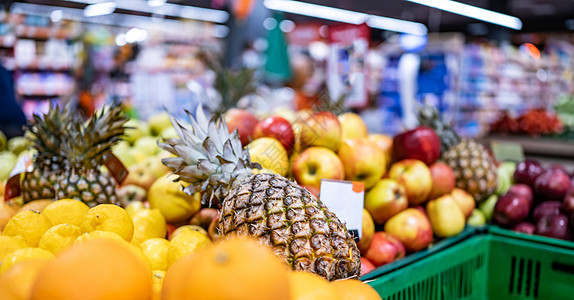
<point>540,202</point>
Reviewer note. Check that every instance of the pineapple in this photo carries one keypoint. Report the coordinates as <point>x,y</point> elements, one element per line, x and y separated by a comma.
<point>474,168</point>
<point>269,207</point>
<point>85,149</point>
<point>47,133</point>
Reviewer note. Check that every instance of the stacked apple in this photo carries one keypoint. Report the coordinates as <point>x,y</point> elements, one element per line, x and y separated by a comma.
<point>540,202</point>
<point>10,152</point>
<point>415,202</point>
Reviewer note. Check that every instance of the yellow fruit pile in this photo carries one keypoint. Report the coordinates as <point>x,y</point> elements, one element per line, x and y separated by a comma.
<point>69,251</point>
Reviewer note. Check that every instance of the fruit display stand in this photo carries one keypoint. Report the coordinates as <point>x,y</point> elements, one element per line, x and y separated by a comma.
<point>494,263</point>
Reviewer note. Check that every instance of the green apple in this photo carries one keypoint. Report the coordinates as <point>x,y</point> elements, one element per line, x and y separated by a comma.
<point>159,122</point>
<point>487,206</point>
<point>7,162</point>
<point>168,133</point>
<point>18,144</point>
<point>147,145</point>
<point>136,130</point>
<point>505,177</point>
<point>3,141</point>
<point>154,164</point>
<point>476,219</point>
<point>125,156</point>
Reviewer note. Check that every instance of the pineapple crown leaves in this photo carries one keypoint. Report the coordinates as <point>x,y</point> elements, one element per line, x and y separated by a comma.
<point>89,141</point>
<point>48,132</point>
<point>429,116</point>
<point>230,84</point>
<point>207,156</point>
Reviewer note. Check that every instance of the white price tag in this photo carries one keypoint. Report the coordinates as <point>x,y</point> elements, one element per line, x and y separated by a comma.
<point>345,199</point>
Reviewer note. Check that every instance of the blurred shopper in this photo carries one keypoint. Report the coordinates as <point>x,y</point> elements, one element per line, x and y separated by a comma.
<point>12,119</point>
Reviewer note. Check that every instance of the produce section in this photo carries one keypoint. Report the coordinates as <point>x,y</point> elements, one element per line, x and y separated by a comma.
<point>240,150</point>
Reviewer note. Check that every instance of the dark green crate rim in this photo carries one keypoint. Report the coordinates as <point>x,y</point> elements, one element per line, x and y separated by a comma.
<point>469,232</point>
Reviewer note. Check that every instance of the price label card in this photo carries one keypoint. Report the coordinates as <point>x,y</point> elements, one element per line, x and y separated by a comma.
<point>345,199</point>
<point>504,151</point>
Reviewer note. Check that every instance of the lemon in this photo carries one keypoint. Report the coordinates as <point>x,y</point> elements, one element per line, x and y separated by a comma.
<point>60,237</point>
<point>270,154</point>
<point>148,223</point>
<point>66,211</point>
<point>109,217</point>
<point>157,282</point>
<point>184,244</point>
<point>29,224</point>
<point>98,234</point>
<point>23,254</point>
<point>134,207</point>
<point>186,228</point>
<point>155,250</point>
<point>10,243</point>
<point>174,204</point>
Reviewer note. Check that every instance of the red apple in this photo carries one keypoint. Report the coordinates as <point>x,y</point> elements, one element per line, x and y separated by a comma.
<point>140,175</point>
<point>366,266</point>
<point>277,128</point>
<point>511,209</point>
<point>170,228</point>
<point>568,202</point>
<point>524,227</point>
<point>553,184</point>
<point>384,249</point>
<point>316,191</point>
<point>317,163</point>
<point>321,129</point>
<point>212,231</point>
<point>546,209</point>
<point>464,201</point>
<point>368,229</point>
<point>204,217</point>
<point>412,228</point>
<point>415,176</point>
<point>363,161</point>
<point>243,121</point>
<point>527,171</point>
<point>554,226</point>
<point>522,189</point>
<point>442,180</point>
<point>386,199</point>
<point>421,143</point>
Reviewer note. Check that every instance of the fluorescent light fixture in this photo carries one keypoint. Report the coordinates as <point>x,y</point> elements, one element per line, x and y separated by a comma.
<point>346,16</point>
<point>397,25</point>
<point>136,35</point>
<point>156,3</point>
<point>317,11</point>
<point>167,9</point>
<point>56,16</point>
<point>473,12</point>
<point>99,9</point>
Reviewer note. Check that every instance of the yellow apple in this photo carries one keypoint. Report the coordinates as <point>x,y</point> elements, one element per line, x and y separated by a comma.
<point>363,161</point>
<point>415,176</point>
<point>154,164</point>
<point>368,229</point>
<point>386,199</point>
<point>445,216</point>
<point>269,153</point>
<point>173,203</point>
<point>321,129</point>
<point>147,145</point>
<point>317,163</point>
<point>384,142</point>
<point>464,200</point>
<point>159,122</point>
<point>140,175</point>
<point>352,126</point>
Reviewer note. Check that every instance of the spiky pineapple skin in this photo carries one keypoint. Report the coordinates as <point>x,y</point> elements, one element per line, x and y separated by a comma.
<point>298,227</point>
<point>89,186</point>
<point>39,184</point>
<point>474,169</point>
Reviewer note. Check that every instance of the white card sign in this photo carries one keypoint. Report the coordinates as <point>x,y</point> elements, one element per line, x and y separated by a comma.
<point>345,199</point>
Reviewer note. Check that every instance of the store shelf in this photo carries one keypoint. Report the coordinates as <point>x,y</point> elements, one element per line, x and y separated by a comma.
<point>542,146</point>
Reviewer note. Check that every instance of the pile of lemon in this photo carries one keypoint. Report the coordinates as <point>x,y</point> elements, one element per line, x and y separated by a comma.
<point>66,250</point>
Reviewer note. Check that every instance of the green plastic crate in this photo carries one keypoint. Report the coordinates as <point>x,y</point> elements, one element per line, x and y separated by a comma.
<point>499,264</point>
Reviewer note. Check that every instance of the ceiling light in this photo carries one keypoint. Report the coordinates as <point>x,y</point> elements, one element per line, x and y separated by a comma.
<point>99,9</point>
<point>473,12</point>
<point>346,16</point>
<point>156,3</point>
<point>317,11</point>
<point>56,16</point>
<point>397,25</point>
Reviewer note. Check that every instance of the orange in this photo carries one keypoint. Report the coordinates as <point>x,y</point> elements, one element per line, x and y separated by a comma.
<point>95,269</point>
<point>249,270</point>
<point>308,286</point>
<point>18,281</point>
<point>351,289</point>
<point>7,211</point>
<point>36,205</point>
